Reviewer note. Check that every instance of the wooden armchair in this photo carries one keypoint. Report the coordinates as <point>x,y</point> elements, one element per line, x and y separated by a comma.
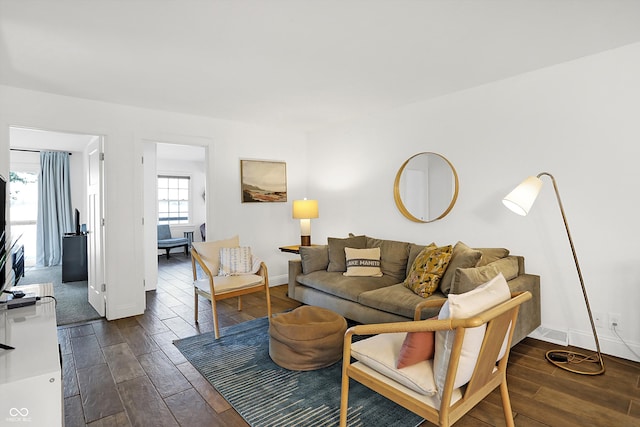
<point>215,287</point>
<point>441,404</point>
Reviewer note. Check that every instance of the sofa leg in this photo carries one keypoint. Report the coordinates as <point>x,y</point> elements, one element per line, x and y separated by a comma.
<point>168,250</point>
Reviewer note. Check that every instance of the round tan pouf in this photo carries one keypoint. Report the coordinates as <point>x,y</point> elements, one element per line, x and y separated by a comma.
<point>306,338</point>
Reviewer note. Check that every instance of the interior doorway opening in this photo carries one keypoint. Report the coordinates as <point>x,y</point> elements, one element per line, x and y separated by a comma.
<point>175,177</point>
<point>26,145</point>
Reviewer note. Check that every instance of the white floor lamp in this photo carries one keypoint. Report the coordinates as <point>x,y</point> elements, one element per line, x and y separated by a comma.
<point>520,201</point>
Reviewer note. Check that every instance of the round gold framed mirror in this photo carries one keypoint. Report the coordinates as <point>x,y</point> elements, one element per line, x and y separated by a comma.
<point>426,187</point>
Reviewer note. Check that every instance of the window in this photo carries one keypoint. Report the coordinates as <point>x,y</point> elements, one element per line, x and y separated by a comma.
<point>173,199</point>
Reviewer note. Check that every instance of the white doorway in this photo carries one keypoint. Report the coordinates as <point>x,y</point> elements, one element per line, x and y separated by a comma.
<point>186,163</point>
<point>25,145</point>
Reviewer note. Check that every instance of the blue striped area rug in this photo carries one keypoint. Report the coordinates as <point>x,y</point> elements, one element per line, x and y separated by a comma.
<point>264,394</point>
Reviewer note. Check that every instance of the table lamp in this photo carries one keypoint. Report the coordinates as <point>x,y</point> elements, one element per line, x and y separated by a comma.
<point>520,201</point>
<point>304,210</point>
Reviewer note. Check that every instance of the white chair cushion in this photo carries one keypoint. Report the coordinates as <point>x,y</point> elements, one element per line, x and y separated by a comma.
<point>463,306</point>
<point>381,352</point>
<point>210,251</point>
<point>224,284</point>
<point>432,400</point>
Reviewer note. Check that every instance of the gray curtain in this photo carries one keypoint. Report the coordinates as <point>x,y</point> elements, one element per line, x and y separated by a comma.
<point>54,207</point>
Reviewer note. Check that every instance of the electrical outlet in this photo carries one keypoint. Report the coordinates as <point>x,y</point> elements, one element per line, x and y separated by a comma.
<point>600,319</point>
<point>614,320</point>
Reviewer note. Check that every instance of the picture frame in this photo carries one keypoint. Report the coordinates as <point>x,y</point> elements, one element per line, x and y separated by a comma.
<point>263,181</point>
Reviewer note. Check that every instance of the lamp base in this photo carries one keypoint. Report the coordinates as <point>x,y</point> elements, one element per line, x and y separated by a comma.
<point>305,240</point>
<point>577,363</point>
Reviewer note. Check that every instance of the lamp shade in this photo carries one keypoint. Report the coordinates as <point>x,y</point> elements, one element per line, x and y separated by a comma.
<point>305,209</point>
<point>522,197</point>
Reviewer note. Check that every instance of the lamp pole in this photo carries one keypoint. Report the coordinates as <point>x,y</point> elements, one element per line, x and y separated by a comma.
<point>561,358</point>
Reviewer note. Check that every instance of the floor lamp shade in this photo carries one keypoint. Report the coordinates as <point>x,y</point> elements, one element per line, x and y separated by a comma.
<point>523,196</point>
<point>305,210</point>
<point>520,201</point>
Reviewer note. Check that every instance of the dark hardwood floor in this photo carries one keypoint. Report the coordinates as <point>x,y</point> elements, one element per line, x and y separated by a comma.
<point>128,373</point>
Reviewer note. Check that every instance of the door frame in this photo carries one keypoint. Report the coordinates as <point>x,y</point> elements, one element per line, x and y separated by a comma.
<point>147,230</point>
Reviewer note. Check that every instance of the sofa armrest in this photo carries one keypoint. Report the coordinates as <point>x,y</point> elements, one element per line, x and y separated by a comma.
<point>295,268</point>
<point>529,317</point>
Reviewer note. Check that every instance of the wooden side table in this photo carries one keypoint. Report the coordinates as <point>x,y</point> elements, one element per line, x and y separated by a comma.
<point>293,249</point>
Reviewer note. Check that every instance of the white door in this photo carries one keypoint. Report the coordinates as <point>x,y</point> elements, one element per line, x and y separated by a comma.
<point>95,246</point>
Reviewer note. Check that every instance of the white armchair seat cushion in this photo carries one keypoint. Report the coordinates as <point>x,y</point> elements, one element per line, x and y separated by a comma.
<point>432,400</point>
<point>381,352</point>
<point>224,284</point>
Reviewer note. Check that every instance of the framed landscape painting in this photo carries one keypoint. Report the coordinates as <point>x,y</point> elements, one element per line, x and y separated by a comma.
<point>263,181</point>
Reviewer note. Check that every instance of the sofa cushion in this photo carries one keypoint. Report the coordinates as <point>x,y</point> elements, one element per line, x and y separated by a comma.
<point>462,257</point>
<point>467,279</point>
<point>314,258</point>
<point>393,257</point>
<point>490,255</point>
<point>427,270</point>
<point>348,288</point>
<point>363,262</point>
<point>396,299</point>
<point>337,260</point>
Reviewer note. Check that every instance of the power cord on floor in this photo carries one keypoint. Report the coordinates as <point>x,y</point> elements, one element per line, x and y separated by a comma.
<point>613,328</point>
<point>48,296</point>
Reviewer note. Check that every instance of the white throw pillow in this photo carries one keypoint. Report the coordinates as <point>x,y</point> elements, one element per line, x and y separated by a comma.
<point>381,353</point>
<point>235,261</point>
<point>463,306</point>
<point>362,262</point>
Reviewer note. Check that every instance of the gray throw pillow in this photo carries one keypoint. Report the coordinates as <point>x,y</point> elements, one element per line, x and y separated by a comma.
<point>463,257</point>
<point>467,279</point>
<point>490,255</point>
<point>314,258</point>
<point>393,257</point>
<point>337,260</point>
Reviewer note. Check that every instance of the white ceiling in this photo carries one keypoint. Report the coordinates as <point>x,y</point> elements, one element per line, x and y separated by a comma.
<point>297,64</point>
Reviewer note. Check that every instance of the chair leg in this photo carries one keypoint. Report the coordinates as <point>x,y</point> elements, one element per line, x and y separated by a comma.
<point>195,304</point>
<point>344,400</point>
<point>214,312</point>
<point>506,403</point>
<point>186,250</point>
<point>167,251</point>
<point>266,291</point>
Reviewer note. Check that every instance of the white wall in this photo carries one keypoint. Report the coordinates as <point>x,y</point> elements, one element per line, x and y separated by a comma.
<point>578,121</point>
<point>263,226</point>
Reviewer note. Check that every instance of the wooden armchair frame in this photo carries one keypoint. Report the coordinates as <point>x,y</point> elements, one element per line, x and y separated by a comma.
<point>214,297</point>
<point>486,376</point>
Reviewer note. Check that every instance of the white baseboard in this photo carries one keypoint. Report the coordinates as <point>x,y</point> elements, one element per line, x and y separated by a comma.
<point>550,335</point>
<point>610,345</point>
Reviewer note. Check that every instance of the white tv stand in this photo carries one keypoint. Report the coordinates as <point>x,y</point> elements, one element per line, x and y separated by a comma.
<point>31,375</point>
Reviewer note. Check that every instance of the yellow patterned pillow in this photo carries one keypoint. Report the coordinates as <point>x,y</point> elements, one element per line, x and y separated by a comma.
<point>427,270</point>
